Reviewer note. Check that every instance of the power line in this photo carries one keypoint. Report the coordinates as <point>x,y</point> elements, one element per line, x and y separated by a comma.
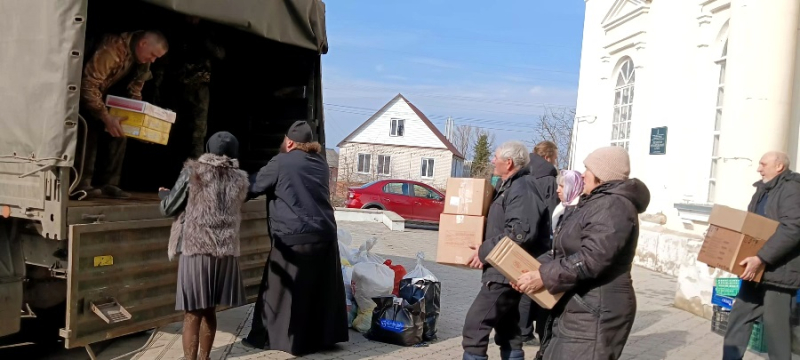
<point>453,97</point>
<point>536,69</point>
<point>472,122</point>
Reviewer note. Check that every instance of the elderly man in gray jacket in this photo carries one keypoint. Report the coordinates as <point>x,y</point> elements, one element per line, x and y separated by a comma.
<point>777,197</point>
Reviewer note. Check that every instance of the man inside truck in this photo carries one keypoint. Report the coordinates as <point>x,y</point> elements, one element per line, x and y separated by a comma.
<point>117,57</point>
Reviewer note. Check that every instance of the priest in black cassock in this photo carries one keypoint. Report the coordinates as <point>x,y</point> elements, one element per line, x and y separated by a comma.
<point>301,304</point>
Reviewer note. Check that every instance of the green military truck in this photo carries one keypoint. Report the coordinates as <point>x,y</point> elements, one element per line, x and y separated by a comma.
<point>102,263</point>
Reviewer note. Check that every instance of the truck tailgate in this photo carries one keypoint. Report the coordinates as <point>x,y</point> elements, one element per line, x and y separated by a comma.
<point>125,263</point>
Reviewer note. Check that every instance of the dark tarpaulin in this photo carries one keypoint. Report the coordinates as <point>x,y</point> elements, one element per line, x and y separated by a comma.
<point>294,22</point>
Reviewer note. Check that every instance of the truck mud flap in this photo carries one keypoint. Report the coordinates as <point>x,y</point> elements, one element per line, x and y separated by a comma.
<point>120,281</point>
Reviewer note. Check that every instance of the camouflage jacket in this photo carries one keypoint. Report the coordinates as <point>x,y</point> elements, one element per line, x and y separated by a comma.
<point>113,59</point>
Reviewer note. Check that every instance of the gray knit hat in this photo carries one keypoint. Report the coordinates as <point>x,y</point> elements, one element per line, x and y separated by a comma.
<point>610,163</point>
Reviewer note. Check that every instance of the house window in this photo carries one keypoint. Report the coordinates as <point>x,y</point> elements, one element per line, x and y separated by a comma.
<point>384,165</point>
<point>398,127</point>
<point>623,105</point>
<point>427,168</point>
<point>363,163</point>
<point>712,177</point>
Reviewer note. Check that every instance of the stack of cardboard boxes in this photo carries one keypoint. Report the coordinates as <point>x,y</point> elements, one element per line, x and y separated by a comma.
<point>463,221</point>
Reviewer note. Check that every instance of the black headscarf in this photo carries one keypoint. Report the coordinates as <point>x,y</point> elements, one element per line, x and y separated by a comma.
<point>223,143</point>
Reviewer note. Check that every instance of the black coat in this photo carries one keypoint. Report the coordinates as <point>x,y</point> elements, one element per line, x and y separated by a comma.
<point>781,252</point>
<point>545,175</point>
<point>591,263</point>
<point>297,188</point>
<point>301,304</point>
<point>517,211</point>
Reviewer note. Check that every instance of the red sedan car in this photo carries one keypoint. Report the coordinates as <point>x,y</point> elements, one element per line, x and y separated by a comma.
<point>412,200</point>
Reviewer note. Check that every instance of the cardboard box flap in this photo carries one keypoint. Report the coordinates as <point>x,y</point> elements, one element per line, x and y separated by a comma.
<point>743,222</point>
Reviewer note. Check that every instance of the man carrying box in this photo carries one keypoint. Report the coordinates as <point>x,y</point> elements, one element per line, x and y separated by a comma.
<point>777,197</point>
<point>116,57</point>
<point>517,212</point>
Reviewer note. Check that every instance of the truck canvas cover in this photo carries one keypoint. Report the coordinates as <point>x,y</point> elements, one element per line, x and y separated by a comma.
<point>41,59</point>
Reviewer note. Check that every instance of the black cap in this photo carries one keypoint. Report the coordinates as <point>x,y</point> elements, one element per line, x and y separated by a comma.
<point>223,143</point>
<point>300,132</point>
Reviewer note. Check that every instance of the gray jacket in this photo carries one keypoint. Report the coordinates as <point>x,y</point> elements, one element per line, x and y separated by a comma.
<point>208,198</point>
<point>781,252</point>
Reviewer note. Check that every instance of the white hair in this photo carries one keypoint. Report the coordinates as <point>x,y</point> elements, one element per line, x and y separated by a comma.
<point>516,151</point>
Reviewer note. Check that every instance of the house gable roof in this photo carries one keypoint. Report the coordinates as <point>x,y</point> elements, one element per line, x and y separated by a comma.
<point>421,116</point>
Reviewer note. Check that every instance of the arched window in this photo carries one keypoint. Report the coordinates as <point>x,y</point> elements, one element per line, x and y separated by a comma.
<point>712,178</point>
<point>623,105</point>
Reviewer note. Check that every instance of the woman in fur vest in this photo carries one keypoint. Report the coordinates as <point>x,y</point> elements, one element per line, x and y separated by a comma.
<point>208,195</point>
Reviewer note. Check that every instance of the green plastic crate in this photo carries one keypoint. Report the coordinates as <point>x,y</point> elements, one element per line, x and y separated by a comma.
<point>758,342</point>
<point>728,286</point>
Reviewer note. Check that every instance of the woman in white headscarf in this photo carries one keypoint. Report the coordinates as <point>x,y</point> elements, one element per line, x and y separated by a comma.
<point>570,188</point>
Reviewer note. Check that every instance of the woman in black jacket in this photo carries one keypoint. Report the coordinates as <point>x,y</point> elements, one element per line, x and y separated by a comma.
<point>591,263</point>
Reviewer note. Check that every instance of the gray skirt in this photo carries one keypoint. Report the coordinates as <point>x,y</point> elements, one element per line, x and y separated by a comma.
<point>205,281</point>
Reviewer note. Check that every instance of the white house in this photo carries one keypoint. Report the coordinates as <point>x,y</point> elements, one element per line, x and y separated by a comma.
<point>398,142</point>
<point>697,91</point>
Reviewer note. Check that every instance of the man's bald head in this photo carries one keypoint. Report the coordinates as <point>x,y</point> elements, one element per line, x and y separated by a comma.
<point>773,164</point>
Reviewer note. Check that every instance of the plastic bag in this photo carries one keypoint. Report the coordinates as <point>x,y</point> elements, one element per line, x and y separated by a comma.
<point>420,285</point>
<point>420,271</point>
<point>369,280</point>
<point>363,319</point>
<point>365,255</point>
<point>347,276</point>
<point>345,240</point>
<point>395,321</point>
<point>399,272</point>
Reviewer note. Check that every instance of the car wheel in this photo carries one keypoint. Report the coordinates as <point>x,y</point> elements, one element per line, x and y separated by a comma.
<point>373,207</point>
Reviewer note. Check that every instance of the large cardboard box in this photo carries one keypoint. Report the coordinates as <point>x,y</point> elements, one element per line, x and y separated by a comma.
<point>457,233</point>
<point>732,236</point>
<point>467,196</point>
<point>145,121</point>
<point>513,261</point>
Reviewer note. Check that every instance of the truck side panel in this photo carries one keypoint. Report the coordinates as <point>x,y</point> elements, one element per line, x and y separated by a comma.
<point>126,262</point>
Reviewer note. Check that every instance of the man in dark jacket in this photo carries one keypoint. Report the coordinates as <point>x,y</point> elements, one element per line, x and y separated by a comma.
<point>777,197</point>
<point>301,304</point>
<point>518,213</point>
<point>542,169</point>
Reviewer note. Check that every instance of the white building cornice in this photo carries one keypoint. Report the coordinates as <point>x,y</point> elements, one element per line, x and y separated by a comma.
<point>624,11</point>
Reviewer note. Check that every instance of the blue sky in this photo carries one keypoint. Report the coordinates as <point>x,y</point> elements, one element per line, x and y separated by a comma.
<point>485,64</point>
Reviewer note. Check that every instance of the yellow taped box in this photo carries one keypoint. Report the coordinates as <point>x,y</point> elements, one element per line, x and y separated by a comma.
<point>145,121</point>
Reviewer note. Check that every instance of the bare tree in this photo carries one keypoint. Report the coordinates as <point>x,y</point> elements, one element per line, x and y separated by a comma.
<point>556,125</point>
<point>464,138</point>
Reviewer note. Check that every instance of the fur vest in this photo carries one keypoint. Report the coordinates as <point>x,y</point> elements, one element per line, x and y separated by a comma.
<point>210,223</point>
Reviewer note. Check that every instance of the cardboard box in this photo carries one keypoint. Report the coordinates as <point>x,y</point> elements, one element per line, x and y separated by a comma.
<point>145,121</point>
<point>467,196</point>
<point>140,107</point>
<point>456,234</point>
<point>732,236</point>
<point>513,261</point>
